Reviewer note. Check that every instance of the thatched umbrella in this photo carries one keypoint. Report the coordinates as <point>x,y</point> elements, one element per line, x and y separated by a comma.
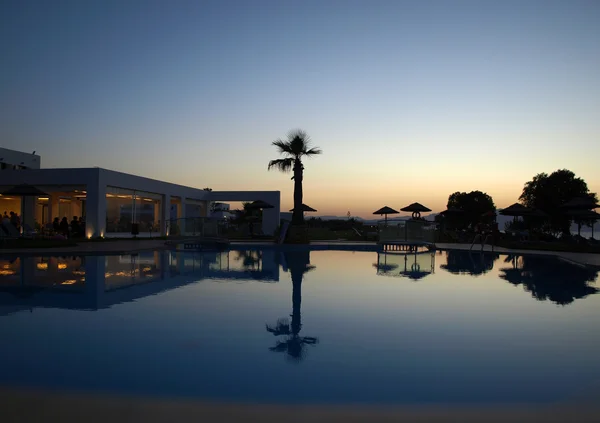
<point>580,215</point>
<point>580,203</point>
<point>416,209</point>
<point>515,210</point>
<point>259,204</point>
<point>580,208</point>
<point>385,210</point>
<point>305,208</point>
<point>24,190</point>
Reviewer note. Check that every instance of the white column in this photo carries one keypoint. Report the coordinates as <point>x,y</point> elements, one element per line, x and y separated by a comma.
<point>49,213</point>
<point>270,220</point>
<point>181,217</point>
<point>95,220</point>
<point>53,207</point>
<point>28,211</point>
<point>165,215</point>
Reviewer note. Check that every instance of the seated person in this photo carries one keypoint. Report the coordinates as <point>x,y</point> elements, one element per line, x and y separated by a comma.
<point>75,228</point>
<point>64,227</point>
<point>56,225</point>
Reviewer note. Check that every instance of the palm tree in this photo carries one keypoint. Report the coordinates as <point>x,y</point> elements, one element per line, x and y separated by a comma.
<point>294,149</point>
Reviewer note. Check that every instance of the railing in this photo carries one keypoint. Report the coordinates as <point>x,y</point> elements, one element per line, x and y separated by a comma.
<point>195,226</point>
<point>407,230</point>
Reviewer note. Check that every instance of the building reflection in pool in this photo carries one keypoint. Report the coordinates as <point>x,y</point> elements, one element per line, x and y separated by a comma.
<point>96,282</point>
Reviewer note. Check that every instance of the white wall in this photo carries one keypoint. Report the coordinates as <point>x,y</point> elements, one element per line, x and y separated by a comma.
<point>270,220</point>
<point>13,157</point>
<point>96,180</point>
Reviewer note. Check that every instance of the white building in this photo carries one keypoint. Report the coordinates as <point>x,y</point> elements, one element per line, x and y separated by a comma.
<point>111,201</point>
<point>221,211</point>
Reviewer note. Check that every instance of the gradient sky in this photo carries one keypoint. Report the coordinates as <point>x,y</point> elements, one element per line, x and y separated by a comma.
<point>409,100</point>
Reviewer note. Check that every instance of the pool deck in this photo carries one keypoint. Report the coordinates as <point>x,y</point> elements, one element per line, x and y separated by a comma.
<point>48,406</point>
<point>133,246</point>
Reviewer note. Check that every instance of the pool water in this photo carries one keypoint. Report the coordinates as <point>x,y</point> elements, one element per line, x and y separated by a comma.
<point>303,326</point>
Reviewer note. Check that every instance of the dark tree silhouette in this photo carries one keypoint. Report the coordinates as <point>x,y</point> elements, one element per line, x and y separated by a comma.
<point>469,262</point>
<point>296,147</point>
<point>298,263</point>
<point>473,205</point>
<point>549,192</point>
<point>556,280</point>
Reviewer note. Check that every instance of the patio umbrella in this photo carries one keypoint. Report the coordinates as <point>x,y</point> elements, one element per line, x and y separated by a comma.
<point>24,190</point>
<point>305,208</point>
<point>515,210</point>
<point>580,208</point>
<point>580,203</point>
<point>580,215</point>
<point>385,210</point>
<point>259,204</point>
<point>416,209</point>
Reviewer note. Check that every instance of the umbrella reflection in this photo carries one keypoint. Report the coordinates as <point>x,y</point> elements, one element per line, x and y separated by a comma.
<point>414,266</point>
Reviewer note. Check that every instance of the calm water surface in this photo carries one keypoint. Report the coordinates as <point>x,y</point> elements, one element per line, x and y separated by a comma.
<point>304,326</point>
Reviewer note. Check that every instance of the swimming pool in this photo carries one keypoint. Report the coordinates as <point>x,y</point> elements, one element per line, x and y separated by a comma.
<point>303,326</point>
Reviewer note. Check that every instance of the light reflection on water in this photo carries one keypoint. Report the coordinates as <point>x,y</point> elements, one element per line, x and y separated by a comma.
<point>303,326</point>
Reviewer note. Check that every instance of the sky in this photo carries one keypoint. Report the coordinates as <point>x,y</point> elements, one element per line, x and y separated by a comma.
<point>409,100</point>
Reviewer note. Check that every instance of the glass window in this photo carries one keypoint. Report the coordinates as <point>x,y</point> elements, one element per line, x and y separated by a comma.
<point>124,207</point>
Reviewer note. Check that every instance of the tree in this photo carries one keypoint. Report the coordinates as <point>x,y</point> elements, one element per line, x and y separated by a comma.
<point>474,206</point>
<point>549,192</point>
<point>294,149</point>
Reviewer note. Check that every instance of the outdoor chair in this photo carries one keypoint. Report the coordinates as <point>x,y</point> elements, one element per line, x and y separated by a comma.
<point>29,232</point>
<point>11,231</point>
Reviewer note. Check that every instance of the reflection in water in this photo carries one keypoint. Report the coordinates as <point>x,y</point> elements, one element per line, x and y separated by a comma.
<point>298,263</point>
<point>95,282</point>
<point>555,280</point>
<point>491,343</point>
<point>414,266</point>
<point>469,262</point>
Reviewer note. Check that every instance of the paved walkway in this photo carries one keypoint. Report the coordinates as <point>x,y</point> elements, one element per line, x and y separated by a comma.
<point>130,246</point>
<point>100,247</point>
<point>20,405</point>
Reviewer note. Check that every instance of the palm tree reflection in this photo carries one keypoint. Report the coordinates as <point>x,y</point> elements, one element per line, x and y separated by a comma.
<point>298,263</point>
<point>251,259</point>
<point>550,280</point>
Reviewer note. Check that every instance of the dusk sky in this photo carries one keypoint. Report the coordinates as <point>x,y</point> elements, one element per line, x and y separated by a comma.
<point>409,100</point>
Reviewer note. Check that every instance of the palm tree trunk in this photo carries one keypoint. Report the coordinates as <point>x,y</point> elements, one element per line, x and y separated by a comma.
<point>298,215</point>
